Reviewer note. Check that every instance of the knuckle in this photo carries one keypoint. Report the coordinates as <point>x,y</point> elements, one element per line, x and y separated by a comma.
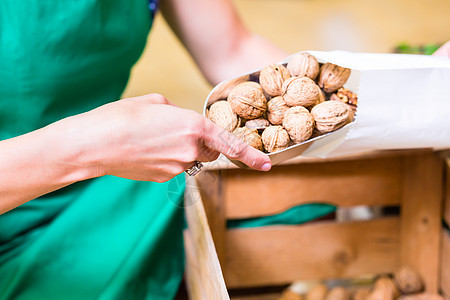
<point>195,128</point>
<point>158,99</point>
<point>236,150</point>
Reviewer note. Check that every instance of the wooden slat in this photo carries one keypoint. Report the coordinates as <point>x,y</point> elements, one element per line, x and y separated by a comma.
<point>445,266</point>
<point>345,183</point>
<point>281,254</point>
<point>210,186</point>
<point>421,212</point>
<point>271,296</point>
<point>203,273</point>
<point>447,197</point>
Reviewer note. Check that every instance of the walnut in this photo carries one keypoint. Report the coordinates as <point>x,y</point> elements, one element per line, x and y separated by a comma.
<point>259,123</point>
<point>318,292</point>
<point>332,77</point>
<point>384,289</point>
<point>322,96</point>
<point>275,138</point>
<point>290,295</point>
<point>300,91</point>
<point>408,280</point>
<point>271,79</point>
<point>250,136</point>
<point>247,100</point>
<point>338,293</point>
<point>276,108</point>
<point>222,114</point>
<point>361,293</point>
<point>346,96</point>
<point>299,123</point>
<point>222,90</point>
<point>422,296</point>
<point>303,65</point>
<point>331,115</point>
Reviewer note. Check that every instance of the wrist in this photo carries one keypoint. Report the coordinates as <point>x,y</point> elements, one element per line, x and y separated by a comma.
<point>75,153</point>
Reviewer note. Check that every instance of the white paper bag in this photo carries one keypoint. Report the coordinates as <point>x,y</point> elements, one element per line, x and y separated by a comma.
<point>403,102</point>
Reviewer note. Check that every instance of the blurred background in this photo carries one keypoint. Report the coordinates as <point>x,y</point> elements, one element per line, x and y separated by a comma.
<point>295,25</point>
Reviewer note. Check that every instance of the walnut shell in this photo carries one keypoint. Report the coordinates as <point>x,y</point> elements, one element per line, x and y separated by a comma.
<point>301,91</point>
<point>322,96</point>
<point>276,108</point>
<point>338,293</point>
<point>303,65</point>
<point>361,293</point>
<point>332,77</point>
<point>384,289</point>
<point>385,282</point>
<point>222,90</point>
<point>275,138</point>
<point>380,294</point>
<point>331,115</point>
<point>259,123</point>
<point>408,280</point>
<point>299,123</point>
<point>250,136</point>
<point>271,79</point>
<point>247,100</point>
<point>422,296</point>
<point>290,295</point>
<point>222,114</point>
<point>318,292</point>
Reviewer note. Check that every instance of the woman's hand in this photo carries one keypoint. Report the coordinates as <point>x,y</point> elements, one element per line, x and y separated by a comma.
<point>143,138</point>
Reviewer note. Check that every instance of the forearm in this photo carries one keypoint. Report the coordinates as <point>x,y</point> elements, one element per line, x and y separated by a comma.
<point>40,162</point>
<point>216,38</point>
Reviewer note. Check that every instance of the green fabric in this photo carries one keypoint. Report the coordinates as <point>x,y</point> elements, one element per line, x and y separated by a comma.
<point>293,216</point>
<point>106,238</point>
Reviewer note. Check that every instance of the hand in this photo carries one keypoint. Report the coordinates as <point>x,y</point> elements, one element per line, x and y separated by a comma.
<point>444,50</point>
<point>143,138</point>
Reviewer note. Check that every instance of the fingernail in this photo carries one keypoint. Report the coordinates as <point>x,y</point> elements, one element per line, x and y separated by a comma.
<point>266,167</point>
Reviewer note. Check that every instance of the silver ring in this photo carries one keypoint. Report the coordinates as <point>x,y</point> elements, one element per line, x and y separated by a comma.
<point>195,169</point>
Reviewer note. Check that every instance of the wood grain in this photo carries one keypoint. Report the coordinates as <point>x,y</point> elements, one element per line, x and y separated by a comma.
<point>281,254</point>
<point>447,193</point>
<point>421,216</point>
<point>346,183</point>
<point>203,272</point>
<point>445,267</point>
<point>210,184</point>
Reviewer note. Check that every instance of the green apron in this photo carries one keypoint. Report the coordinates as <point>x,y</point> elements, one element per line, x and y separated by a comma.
<point>106,238</point>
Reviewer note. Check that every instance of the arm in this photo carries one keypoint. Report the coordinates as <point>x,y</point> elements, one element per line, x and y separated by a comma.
<point>217,39</point>
<point>115,139</point>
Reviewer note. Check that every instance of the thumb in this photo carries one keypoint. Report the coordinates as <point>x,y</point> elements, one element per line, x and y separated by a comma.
<point>231,146</point>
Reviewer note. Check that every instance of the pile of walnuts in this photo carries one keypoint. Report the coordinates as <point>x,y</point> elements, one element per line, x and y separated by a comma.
<point>288,105</point>
<point>405,284</point>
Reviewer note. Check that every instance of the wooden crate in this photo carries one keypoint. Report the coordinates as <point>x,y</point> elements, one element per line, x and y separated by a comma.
<point>274,255</point>
<point>445,265</point>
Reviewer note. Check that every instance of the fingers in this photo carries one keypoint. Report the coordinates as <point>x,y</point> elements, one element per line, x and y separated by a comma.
<point>154,99</point>
<point>444,50</point>
<point>218,139</point>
